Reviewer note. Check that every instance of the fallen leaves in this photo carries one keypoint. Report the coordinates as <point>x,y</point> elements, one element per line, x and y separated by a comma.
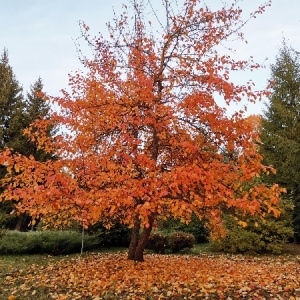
<point>112,276</point>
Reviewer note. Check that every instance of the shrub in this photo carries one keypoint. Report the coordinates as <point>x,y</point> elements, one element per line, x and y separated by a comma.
<point>157,242</point>
<point>239,240</point>
<point>65,242</point>
<point>259,236</point>
<point>14,242</point>
<point>196,227</point>
<point>49,242</point>
<point>181,240</point>
<point>3,232</point>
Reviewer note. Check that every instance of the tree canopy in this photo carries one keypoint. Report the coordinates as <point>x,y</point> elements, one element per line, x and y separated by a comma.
<point>142,134</point>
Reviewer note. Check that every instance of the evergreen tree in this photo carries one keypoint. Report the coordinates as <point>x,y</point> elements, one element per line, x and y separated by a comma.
<point>12,106</point>
<point>36,107</point>
<point>280,128</point>
<point>16,114</point>
<point>12,109</point>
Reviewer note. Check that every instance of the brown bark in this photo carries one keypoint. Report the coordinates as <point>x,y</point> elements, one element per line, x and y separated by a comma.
<point>134,239</point>
<point>139,251</point>
<point>138,243</point>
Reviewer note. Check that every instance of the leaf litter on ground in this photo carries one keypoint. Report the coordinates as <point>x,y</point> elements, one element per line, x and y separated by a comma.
<point>112,276</point>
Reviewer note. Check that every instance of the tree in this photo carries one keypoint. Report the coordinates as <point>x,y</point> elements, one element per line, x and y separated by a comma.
<point>11,111</point>
<point>16,115</point>
<point>11,104</point>
<point>142,136</point>
<point>35,108</point>
<point>256,235</point>
<point>280,128</point>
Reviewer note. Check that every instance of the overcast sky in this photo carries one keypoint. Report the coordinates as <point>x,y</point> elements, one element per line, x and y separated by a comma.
<point>40,34</point>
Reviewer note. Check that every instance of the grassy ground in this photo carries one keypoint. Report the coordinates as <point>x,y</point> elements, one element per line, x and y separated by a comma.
<point>19,266</point>
<point>16,268</point>
<point>14,265</point>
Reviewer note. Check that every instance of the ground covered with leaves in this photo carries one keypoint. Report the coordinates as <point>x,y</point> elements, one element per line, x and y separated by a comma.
<point>112,276</point>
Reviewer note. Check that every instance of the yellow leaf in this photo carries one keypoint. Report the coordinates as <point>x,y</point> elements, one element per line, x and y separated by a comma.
<point>242,223</point>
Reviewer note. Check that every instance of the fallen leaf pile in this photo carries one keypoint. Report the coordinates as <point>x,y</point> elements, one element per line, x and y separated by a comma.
<point>112,276</point>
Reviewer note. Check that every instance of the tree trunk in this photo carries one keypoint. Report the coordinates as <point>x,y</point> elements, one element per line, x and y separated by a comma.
<point>138,243</point>
<point>134,239</point>
<point>139,251</point>
<point>20,221</point>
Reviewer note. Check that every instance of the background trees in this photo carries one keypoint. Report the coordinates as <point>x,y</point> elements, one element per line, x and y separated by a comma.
<point>280,127</point>
<point>12,106</point>
<point>16,114</point>
<point>11,119</point>
<point>36,108</point>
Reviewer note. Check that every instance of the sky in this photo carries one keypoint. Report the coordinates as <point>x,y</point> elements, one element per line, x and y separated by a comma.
<point>40,36</point>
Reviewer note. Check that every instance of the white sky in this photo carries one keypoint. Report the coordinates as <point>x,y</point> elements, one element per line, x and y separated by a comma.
<point>40,34</point>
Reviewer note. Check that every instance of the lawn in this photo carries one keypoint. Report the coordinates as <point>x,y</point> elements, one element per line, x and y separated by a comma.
<point>108,275</point>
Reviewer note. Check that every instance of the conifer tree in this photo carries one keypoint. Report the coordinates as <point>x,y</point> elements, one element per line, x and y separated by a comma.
<point>280,130</point>
<point>11,118</point>
<point>12,106</point>
<point>36,108</point>
<point>16,114</point>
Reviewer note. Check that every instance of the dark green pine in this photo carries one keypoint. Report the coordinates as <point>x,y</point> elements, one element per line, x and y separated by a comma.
<point>280,130</point>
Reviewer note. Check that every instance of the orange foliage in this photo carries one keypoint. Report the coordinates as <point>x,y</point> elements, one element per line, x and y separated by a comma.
<point>254,121</point>
<point>142,136</point>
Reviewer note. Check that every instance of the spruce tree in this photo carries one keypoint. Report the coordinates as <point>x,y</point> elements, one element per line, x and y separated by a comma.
<point>16,114</point>
<point>36,107</point>
<point>280,128</point>
<point>12,108</point>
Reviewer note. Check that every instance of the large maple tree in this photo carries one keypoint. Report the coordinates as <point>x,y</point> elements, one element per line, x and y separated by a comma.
<point>142,134</point>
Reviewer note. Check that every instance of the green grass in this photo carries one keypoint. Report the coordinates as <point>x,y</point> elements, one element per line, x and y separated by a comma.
<point>200,248</point>
<point>12,265</point>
